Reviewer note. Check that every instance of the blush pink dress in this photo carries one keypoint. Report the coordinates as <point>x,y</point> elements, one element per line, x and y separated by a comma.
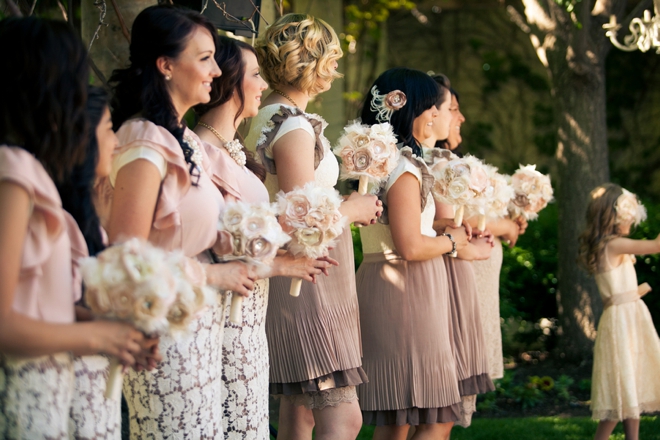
<point>35,393</point>
<point>244,346</point>
<point>182,397</point>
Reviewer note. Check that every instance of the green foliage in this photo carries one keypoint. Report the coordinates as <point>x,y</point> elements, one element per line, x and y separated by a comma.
<point>562,386</point>
<point>364,16</point>
<point>357,246</point>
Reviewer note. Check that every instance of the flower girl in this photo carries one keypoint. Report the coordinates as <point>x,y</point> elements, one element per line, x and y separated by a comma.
<point>627,352</point>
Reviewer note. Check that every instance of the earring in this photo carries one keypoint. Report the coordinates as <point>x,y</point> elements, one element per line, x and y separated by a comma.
<point>168,77</point>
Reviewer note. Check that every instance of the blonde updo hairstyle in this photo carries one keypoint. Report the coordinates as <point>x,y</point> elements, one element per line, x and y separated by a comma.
<point>298,50</point>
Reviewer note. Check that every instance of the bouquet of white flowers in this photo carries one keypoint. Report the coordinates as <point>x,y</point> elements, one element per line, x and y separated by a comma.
<point>138,283</point>
<point>533,192</point>
<point>367,153</point>
<point>311,217</point>
<point>498,203</point>
<point>256,237</point>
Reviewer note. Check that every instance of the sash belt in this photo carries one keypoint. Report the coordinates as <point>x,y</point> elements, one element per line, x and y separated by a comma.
<point>627,297</point>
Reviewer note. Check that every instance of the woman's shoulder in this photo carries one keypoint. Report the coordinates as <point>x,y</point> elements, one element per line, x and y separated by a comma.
<point>21,167</point>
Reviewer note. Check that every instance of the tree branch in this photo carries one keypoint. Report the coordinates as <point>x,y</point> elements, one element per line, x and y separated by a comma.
<point>99,74</point>
<point>122,23</point>
<point>13,9</point>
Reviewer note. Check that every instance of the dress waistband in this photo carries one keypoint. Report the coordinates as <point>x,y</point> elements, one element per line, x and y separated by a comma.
<point>379,257</point>
<point>627,297</point>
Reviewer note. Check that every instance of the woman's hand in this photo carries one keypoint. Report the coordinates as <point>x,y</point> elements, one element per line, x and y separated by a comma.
<point>522,225</point>
<point>236,276</point>
<point>512,232</point>
<point>459,235</point>
<point>150,355</point>
<point>117,339</point>
<point>305,268</point>
<point>362,210</point>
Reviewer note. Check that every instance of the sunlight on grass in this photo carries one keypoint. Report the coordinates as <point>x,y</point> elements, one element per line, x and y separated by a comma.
<point>539,428</point>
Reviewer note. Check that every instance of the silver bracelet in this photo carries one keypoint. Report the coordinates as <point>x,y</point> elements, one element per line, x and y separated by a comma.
<point>453,244</point>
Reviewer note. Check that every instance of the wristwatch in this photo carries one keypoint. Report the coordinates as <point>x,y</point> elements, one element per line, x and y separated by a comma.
<point>451,253</point>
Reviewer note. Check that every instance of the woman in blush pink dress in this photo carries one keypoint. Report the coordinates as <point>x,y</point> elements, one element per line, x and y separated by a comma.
<point>38,332</point>
<point>163,192</point>
<point>236,95</point>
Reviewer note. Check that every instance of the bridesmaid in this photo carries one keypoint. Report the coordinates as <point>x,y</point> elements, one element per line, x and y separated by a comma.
<point>163,192</point>
<point>486,271</point>
<point>92,415</point>
<point>38,332</point>
<point>469,345</point>
<point>236,95</point>
<point>402,282</point>
<point>314,339</point>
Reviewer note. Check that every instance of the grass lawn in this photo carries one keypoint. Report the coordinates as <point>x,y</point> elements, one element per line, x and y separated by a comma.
<point>539,428</point>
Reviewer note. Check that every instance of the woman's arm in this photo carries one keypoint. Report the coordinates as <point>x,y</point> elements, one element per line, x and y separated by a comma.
<point>404,201</point>
<point>24,336</point>
<point>293,154</point>
<point>504,228</point>
<point>476,249</point>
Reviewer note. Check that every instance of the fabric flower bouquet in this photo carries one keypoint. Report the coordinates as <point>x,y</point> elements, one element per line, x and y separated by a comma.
<point>533,192</point>
<point>368,153</point>
<point>156,291</point>
<point>311,217</point>
<point>256,237</point>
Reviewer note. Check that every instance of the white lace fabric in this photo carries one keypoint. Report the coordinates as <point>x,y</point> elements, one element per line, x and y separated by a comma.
<point>323,399</point>
<point>35,397</point>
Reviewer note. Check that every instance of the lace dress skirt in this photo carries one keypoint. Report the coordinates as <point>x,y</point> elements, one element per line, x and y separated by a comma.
<point>314,339</point>
<point>487,274</point>
<point>92,415</point>
<point>35,396</point>
<point>181,398</point>
<point>406,334</point>
<point>245,370</point>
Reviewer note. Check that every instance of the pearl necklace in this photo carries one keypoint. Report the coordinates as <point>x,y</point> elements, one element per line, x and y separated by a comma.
<point>234,147</point>
<point>196,156</point>
<point>287,97</point>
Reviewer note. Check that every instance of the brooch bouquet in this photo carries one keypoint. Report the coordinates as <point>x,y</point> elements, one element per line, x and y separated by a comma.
<point>255,238</point>
<point>311,217</point>
<point>368,153</point>
<point>155,291</point>
<point>532,192</point>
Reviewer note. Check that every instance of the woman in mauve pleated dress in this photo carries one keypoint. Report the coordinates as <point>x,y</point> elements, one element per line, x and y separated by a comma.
<point>469,343</point>
<point>402,283</point>
<point>313,339</point>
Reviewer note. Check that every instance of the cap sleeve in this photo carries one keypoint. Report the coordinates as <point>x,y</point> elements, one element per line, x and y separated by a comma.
<point>271,133</point>
<point>142,133</point>
<point>47,219</point>
<point>78,252</point>
<point>221,171</point>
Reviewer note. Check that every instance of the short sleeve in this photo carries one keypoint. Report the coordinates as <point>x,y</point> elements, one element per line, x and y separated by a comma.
<point>289,125</point>
<point>133,154</point>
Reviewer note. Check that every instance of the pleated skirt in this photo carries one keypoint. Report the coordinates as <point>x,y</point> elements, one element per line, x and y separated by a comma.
<point>406,337</point>
<point>314,339</point>
<point>468,338</point>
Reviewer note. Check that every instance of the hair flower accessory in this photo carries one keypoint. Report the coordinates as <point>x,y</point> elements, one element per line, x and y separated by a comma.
<point>255,238</point>
<point>385,105</point>
<point>367,153</point>
<point>629,209</point>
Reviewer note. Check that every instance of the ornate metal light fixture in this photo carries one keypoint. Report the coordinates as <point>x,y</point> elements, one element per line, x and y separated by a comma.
<point>644,32</point>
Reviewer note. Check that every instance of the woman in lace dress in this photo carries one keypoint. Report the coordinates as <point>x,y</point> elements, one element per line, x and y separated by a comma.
<point>236,95</point>
<point>486,271</point>
<point>314,339</point>
<point>163,192</point>
<point>470,348</point>
<point>37,330</point>
<point>624,382</point>
<point>402,281</point>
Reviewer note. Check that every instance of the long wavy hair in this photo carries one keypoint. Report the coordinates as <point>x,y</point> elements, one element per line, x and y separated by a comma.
<point>229,56</point>
<point>421,94</point>
<point>161,30</point>
<point>77,191</point>
<point>601,226</point>
<point>43,90</point>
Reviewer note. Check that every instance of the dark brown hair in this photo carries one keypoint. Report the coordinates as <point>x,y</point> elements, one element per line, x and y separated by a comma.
<point>43,90</point>
<point>229,56</point>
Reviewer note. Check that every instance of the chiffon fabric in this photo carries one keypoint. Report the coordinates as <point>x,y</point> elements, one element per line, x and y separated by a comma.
<point>314,339</point>
<point>244,345</point>
<point>35,393</point>
<point>182,397</point>
<point>627,352</point>
<point>487,274</point>
<point>406,325</point>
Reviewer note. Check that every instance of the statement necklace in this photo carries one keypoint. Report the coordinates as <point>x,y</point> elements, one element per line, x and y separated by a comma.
<point>287,97</point>
<point>234,147</point>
